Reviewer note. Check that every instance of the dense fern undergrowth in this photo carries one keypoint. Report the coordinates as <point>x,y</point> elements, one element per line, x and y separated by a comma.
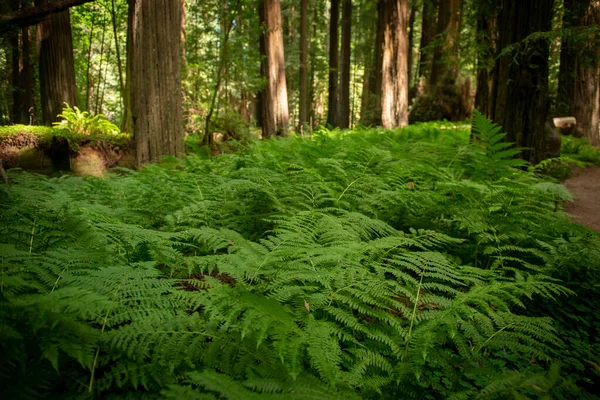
<point>367,264</point>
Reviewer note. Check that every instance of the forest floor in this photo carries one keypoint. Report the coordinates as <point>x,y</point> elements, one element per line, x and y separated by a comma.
<point>585,187</point>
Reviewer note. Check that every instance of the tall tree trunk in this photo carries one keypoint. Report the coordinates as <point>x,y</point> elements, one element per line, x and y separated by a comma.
<point>587,85</point>
<point>344,111</point>
<point>573,13</point>
<point>411,39</point>
<point>334,64</point>
<point>303,81</point>
<point>445,57</point>
<point>394,81</point>
<point>428,27</point>
<point>520,91</point>
<point>579,74</point>
<point>113,12</point>
<point>487,37</point>
<point>154,78</point>
<point>274,96</point>
<point>22,76</point>
<point>372,56</point>
<point>56,64</point>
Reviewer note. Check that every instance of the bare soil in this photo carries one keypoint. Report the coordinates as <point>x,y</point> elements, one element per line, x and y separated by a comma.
<point>585,187</point>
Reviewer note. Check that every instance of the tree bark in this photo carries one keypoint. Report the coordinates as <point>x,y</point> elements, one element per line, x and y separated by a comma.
<point>445,57</point>
<point>334,64</point>
<point>303,80</point>
<point>579,74</point>
<point>394,81</point>
<point>22,76</point>
<point>154,78</point>
<point>487,37</point>
<point>56,66</point>
<point>427,34</point>
<point>520,91</point>
<point>587,85</point>
<point>344,111</point>
<point>574,10</point>
<point>275,111</point>
<point>411,39</point>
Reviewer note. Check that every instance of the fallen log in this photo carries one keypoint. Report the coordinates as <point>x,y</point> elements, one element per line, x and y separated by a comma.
<point>31,15</point>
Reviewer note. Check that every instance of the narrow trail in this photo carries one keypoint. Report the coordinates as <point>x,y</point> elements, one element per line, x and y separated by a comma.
<point>585,187</point>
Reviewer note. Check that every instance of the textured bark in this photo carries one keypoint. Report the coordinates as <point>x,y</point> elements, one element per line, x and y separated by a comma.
<point>154,78</point>
<point>574,10</point>
<point>23,105</point>
<point>394,80</point>
<point>428,28</point>
<point>411,40</point>
<point>372,57</point>
<point>303,80</point>
<point>445,57</point>
<point>275,114</point>
<point>520,91</point>
<point>587,85</point>
<point>487,38</point>
<point>579,74</point>
<point>344,111</point>
<point>56,66</point>
<point>334,64</point>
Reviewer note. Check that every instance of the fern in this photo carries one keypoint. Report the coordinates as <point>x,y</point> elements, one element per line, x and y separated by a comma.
<point>372,264</point>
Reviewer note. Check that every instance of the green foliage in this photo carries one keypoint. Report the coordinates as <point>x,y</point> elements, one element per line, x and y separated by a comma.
<point>366,264</point>
<point>83,123</point>
<point>579,152</point>
<point>43,137</point>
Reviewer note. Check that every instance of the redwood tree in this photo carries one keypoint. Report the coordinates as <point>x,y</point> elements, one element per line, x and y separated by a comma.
<point>344,111</point>
<point>520,90</point>
<point>275,114</point>
<point>487,37</point>
<point>428,27</point>
<point>56,64</point>
<point>394,71</point>
<point>578,93</point>
<point>303,81</point>
<point>445,56</point>
<point>334,64</point>
<point>154,78</point>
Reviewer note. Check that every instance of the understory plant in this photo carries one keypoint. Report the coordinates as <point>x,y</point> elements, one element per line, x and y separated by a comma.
<point>415,263</point>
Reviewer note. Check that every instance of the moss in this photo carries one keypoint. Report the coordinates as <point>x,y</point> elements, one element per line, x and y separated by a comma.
<point>43,137</point>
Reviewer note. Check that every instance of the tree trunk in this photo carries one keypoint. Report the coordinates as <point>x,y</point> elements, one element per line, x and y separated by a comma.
<point>394,81</point>
<point>118,50</point>
<point>520,91</point>
<point>427,34</point>
<point>344,111</point>
<point>154,78</point>
<point>411,39</point>
<point>587,86</point>
<point>445,57</point>
<point>370,75</point>
<point>574,10</point>
<point>22,76</point>
<point>580,71</point>
<point>487,37</point>
<point>334,64</point>
<point>275,112</point>
<point>303,81</point>
<point>56,65</point>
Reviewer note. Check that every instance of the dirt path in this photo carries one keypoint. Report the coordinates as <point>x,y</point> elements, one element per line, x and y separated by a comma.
<point>585,187</point>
